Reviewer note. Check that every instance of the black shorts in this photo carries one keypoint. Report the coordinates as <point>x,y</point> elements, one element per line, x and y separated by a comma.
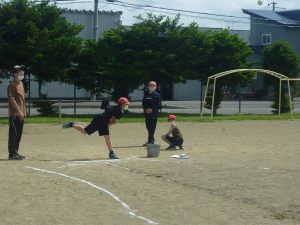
<point>175,141</point>
<point>98,124</point>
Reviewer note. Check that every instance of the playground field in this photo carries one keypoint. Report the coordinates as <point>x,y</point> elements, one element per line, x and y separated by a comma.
<point>238,173</point>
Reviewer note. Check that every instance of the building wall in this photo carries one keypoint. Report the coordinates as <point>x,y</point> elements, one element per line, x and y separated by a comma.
<point>292,37</point>
<point>137,94</point>
<point>106,21</point>
<point>190,90</point>
<point>279,33</point>
<point>61,90</point>
<point>3,88</point>
<point>51,89</point>
<point>258,29</point>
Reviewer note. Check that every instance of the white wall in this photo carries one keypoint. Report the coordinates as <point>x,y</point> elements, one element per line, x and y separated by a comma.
<point>3,88</point>
<point>182,91</point>
<point>187,91</point>
<point>106,21</point>
<point>51,89</point>
<point>137,94</point>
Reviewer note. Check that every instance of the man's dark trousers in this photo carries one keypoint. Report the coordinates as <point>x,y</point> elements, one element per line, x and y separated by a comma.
<point>15,134</point>
<point>151,121</point>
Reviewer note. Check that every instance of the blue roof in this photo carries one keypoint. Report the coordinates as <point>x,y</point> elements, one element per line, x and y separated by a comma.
<point>282,17</point>
<point>291,14</point>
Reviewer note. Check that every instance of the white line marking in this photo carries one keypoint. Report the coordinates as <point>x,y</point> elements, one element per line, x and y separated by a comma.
<point>112,162</point>
<point>116,198</point>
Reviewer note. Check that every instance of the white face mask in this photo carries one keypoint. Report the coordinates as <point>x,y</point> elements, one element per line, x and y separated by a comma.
<point>21,75</point>
<point>125,107</point>
<point>152,89</point>
<point>172,122</point>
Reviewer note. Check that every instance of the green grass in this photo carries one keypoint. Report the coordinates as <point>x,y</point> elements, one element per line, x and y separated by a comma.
<point>137,117</point>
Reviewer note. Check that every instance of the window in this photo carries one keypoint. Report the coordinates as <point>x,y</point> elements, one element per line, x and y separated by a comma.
<point>266,39</point>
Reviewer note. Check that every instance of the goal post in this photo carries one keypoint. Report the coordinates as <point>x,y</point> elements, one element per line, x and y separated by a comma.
<point>280,76</point>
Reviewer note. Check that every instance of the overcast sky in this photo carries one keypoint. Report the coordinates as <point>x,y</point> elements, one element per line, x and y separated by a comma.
<point>223,7</point>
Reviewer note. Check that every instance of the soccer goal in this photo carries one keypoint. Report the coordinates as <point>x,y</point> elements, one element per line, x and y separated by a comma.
<point>282,78</point>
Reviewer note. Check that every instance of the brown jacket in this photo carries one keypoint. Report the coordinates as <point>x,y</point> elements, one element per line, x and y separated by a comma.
<point>16,91</point>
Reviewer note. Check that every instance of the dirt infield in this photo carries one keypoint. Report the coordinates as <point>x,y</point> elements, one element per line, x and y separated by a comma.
<point>238,173</point>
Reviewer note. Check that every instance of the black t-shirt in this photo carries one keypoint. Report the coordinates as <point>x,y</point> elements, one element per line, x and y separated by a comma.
<point>113,111</point>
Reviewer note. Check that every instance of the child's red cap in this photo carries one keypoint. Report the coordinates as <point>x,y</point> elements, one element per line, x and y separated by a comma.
<point>171,117</point>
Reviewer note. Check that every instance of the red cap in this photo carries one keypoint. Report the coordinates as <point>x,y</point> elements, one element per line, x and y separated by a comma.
<point>152,83</point>
<point>123,101</point>
<point>171,117</point>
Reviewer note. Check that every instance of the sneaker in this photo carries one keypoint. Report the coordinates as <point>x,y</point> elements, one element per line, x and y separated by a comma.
<point>67,125</point>
<point>144,145</point>
<point>148,143</point>
<point>171,147</point>
<point>112,155</point>
<point>15,157</point>
<point>22,156</point>
<point>181,147</point>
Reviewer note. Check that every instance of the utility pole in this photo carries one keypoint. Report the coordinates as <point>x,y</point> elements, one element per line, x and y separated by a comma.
<point>273,5</point>
<point>95,28</point>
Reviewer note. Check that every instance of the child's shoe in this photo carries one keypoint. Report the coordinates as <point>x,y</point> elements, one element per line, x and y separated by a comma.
<point>171,147</point>
<point>112,155</point>
<point>67,125</point>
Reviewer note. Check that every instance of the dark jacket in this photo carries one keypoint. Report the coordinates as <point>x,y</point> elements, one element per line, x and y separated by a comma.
<point>152,101</point>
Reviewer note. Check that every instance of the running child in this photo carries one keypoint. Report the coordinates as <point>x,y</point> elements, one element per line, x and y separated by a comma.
<point>174,136</point>
<point>101,123</point>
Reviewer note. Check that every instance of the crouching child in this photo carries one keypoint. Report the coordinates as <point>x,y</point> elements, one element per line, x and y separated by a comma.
<point>173,137</point>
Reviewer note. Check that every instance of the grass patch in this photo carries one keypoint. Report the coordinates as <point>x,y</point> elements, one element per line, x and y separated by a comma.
<point>138,117</point>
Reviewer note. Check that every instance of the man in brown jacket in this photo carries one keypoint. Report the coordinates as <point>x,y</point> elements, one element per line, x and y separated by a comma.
<point>17,112</point>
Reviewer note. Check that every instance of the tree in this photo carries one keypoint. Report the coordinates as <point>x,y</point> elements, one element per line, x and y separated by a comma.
<point>38,36</point>
<point>89,72</point>
<point>280,57</point>
<point>228,51</point>
<point>156,48</point>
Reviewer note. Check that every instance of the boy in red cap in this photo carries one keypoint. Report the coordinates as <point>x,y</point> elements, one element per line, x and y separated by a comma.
<point>174,136</point>
<point>101,123</point>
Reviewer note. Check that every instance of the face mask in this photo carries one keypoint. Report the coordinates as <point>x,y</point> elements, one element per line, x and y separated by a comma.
<point>21,75</point>
<point>152,89</point>
<point>125,107</point>
<point>172,122</point>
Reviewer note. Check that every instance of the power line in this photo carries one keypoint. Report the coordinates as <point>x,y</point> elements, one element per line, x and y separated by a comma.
<point>196,12</point>
<point>69,2</point>
<point>142,7</point>
<point>208,16</point>
<point>173,13</point>
<point>193,16</point>
<point>211,18</point>
<point>180,10</point>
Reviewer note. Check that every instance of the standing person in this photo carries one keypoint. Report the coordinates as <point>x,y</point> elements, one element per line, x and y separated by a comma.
<point>16,112</point>
<point>151,105</point>
<point>101,123</point>
<point>174,136</point>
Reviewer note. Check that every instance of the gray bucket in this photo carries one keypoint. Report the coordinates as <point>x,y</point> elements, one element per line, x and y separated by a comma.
<point>153,150</point>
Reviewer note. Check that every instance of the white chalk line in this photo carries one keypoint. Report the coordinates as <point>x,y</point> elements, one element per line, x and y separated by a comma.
<point>116,198</point>
<point>111,162</point>
<point>115,160</point>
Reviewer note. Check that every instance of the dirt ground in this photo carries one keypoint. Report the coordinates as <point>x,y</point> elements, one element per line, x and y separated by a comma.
<point>238,173</point>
